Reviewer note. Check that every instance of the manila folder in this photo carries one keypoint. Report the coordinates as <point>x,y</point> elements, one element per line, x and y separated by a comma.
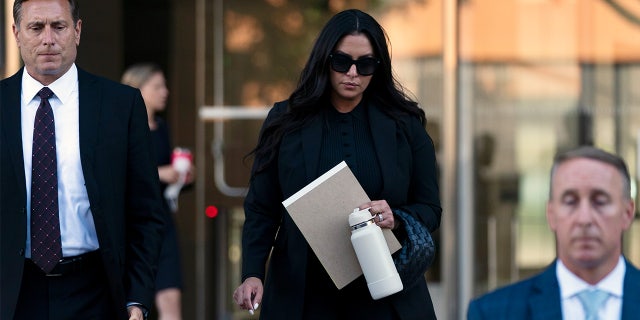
<point>321,211</point>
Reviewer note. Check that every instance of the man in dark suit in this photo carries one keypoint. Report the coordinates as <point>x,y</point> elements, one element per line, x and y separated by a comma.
<point>589,208</point>
<point>98,259</point>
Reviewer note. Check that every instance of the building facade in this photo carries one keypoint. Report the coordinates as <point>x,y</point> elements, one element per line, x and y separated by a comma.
<point>505,84</point>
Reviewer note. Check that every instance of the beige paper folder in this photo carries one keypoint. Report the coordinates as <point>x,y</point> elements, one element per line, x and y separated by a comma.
<point>321,211</point>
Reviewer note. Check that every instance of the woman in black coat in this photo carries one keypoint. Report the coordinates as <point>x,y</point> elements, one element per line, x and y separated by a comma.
<point>347,107</point>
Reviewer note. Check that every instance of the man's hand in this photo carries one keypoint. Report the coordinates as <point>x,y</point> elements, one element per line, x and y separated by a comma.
<point>135,313</point>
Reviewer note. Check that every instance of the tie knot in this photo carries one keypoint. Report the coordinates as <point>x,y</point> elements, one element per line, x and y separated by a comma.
<point>45,93</point>
<point>592,301</point>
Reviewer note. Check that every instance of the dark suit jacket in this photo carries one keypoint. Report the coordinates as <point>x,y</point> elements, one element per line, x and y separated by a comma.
<point>407,159</point>
<point>121,180</point>
<point>538,298</point>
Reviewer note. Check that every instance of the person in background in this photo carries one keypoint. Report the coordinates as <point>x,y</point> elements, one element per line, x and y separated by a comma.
<point>588,210</point>
<point>347,106</point>
<point>150,79</point>
<point>81,216</point>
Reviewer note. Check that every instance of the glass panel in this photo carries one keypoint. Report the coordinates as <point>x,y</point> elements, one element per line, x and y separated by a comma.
<point>538,76</point>
<point>415,33</point>
<point>2,41</point>
<point>547,75</point>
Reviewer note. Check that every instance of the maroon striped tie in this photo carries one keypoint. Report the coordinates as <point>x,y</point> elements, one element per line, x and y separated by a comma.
<point>46,249</point>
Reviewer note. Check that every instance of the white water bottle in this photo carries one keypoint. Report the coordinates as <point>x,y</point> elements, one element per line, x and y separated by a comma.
<point>373,255</point>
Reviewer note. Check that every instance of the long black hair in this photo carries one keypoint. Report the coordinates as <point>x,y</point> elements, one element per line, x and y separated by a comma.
<point>313,88</point>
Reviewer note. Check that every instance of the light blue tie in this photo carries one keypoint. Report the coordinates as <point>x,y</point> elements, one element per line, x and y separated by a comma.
<point>592,301</point>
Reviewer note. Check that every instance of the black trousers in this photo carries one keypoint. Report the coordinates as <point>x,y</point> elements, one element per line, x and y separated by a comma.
<point>79,293</point>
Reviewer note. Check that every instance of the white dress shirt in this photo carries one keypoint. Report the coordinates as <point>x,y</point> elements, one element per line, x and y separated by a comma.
<point>77,229</point>
<point>571,285</point>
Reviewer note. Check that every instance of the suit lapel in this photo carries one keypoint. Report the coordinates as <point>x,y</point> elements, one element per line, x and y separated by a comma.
<point>544,303</point>
<point>89,111</point>
<point>545,300</point>
<point>383,132</point>
<point>631,293</point>
<point>12,123</point>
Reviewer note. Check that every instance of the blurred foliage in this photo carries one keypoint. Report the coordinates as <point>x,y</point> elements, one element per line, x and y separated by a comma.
<point>267,43</point>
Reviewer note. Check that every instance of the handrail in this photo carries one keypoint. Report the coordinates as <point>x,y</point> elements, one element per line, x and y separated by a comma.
<point>213,113</point>
<point>216,114</point>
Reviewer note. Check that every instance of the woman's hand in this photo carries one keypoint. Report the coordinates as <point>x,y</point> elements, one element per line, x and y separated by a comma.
<point>168,174</point>
<point>249,294</point>
<point>381,212</point>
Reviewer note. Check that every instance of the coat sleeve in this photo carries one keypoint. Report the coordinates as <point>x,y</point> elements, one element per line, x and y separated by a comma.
<point>144,215</point>
<point>474,312</point>
<point>263,213</point>
<point>424,193</point>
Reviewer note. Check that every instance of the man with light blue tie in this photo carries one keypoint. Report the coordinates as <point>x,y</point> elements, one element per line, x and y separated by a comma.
<point>589,209</point>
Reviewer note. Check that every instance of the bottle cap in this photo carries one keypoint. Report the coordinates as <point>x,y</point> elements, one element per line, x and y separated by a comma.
<point>359,216</point>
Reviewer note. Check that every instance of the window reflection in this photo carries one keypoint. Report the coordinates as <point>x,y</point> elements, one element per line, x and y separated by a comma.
<point>538,76</point>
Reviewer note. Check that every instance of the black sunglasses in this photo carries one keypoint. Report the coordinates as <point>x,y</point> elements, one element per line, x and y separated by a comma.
<point>341,62</point>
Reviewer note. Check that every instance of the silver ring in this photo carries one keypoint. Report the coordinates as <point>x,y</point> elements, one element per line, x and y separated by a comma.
<point>380,217</point>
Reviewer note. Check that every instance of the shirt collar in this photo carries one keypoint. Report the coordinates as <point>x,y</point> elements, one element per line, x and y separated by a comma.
<point>570,284</point>
<point>359,112</point>
<point>62,87</point>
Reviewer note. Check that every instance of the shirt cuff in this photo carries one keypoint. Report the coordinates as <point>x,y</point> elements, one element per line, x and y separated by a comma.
<point>145,311</point>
